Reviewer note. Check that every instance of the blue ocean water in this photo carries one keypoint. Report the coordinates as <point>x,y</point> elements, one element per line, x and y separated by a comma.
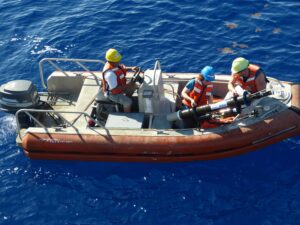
<point>260,187</point>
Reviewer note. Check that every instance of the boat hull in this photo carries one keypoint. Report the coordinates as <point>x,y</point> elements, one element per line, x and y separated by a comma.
<point>163,147</point>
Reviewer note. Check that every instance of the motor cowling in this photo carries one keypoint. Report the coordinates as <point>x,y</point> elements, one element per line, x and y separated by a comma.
<point>18,94</point>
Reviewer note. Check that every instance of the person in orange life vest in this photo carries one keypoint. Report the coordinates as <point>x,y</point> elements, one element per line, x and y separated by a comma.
<point>198,91</point>
<point>114,79</point>
<point>246,77</point>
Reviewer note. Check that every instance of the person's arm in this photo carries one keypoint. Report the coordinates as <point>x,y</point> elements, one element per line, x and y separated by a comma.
<point>231,84</point>
<point>111,79</point>
<point>260,81</point>
<point>120,88</point>
<point>185,94</point>
<point>186,91</point>
<point>133,68</point>
<point>210,99</point>
<point>209,93</point>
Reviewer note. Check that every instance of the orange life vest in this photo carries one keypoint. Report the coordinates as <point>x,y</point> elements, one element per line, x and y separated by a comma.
<point>213,123</point>
<point>121,77</point>
<point>199,93</point>
<point>249,83</point>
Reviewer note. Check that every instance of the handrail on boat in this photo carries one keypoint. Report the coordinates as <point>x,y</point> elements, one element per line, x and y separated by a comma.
<point>157,66</point>
<point>58,113</point>
<point>53,63</point>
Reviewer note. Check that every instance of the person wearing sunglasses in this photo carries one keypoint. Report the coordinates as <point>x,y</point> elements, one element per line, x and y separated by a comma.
<point>245,77</point>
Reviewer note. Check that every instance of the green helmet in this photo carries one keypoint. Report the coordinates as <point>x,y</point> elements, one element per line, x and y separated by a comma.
<point>239,64</point>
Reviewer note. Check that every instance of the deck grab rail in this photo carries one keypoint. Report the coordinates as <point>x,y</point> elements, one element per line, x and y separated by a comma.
<point>53,63</point>
<point>29,112</point>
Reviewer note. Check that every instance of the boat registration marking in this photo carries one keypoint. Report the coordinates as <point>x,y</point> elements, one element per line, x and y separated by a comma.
<point>54,141</point>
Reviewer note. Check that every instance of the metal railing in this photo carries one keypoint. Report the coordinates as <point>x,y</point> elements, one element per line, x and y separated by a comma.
<point>29,112</point>
<point>53,63</point>
<point>157,66</point>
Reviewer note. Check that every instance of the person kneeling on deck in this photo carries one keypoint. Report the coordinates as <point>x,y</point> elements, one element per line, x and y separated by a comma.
<point>245,77</point>
<point>198,91</point>
<point>114,80</point>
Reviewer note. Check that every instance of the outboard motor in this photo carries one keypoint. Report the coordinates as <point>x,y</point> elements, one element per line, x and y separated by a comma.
<point>18,94</point>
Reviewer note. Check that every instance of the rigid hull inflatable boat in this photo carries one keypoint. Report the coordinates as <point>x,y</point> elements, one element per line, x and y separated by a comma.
<point>72,120</point>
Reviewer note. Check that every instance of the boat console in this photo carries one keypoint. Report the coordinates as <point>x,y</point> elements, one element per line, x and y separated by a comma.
<point>152,103</point>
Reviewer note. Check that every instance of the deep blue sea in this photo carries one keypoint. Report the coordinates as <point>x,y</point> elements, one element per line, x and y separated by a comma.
<point>261,187</point>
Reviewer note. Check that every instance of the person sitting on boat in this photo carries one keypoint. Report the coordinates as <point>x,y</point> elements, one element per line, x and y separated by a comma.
<point>245,77</point>
<point>114,80</point>
<point>198,91</point>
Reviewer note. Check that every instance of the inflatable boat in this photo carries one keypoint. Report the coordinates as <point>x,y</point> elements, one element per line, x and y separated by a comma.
<point>72,120</point>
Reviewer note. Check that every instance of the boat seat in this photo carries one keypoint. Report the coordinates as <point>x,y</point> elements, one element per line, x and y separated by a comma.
<point>101,99</point>
<point>59,82</point>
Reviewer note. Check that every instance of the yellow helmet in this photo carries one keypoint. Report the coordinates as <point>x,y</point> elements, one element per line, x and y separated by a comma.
<point>112,55</point>
<point>239,64</point>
